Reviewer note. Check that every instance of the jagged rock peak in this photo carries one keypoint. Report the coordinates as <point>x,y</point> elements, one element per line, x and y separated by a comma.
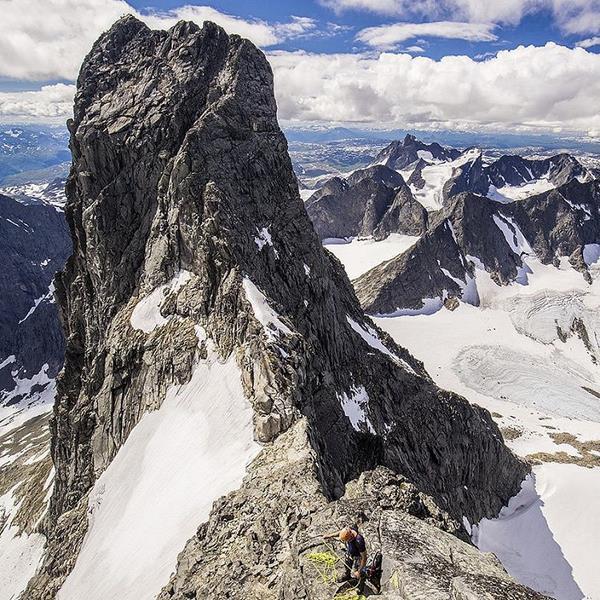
<point>192,248</point>
<point>400,154</point>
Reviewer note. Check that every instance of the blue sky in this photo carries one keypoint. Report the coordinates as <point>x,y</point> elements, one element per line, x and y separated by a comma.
<point>537,28</point>
<point>476,65</point>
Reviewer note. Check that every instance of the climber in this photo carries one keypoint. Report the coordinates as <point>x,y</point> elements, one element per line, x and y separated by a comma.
<point>355,561</point>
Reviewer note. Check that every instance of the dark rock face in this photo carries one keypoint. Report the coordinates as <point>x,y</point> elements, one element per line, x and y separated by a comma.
<point>34,244</point>
<point>555,224</point>
<point>399,155</point>
<point>179,165</point>
<point>561,222</point>
<point>245,551</point>
<point>470,177</point>
<point>379,174</point>
<point>403,215</point>
<point>370,202</point>
<point>516,170</point>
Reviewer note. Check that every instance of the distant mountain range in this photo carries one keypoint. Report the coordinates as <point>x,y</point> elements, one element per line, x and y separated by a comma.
<point>40,151</point>
<point>450,138</point>
<point>409,180</point>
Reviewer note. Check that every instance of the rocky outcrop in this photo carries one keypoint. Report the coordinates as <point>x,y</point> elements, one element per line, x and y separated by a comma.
<point>561,222</point>
<point>401,154</point>
<point>184,209</point>
<point>260,541</point>
<point>34,244</point>
<point>370,202</point>
<point>404,215</point>
<point>516,170</point>
<point>475,231</point>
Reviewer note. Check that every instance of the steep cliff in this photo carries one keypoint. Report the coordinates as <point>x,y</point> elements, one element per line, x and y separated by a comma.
<point>198,290</point>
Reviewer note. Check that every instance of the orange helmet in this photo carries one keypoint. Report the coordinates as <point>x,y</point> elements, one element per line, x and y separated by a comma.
<point>347,534</point>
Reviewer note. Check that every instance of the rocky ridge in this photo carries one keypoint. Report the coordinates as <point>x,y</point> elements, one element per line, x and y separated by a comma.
<point>400,155</point>
<point>473,231</point>
<point>370,202</point>
<point>259,540</point>
<point>182,194</point>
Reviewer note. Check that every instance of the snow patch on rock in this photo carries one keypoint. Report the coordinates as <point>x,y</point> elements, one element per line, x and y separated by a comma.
<point>354,406</point>
<point>264,313</point>
<point>146,315</point>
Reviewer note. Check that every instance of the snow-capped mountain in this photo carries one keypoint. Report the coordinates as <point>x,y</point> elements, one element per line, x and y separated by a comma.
<point>214,346</point>
<point>401,155</point>
<point>476,232</point>
<point>51,193</point>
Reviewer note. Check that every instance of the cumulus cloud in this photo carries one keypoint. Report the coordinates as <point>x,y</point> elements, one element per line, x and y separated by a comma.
<point>589,42</point>
<point>529,88</point>
<point>51,102</point>
<point>52,41</point>
<point>572,16</point>
<point>387,36</point>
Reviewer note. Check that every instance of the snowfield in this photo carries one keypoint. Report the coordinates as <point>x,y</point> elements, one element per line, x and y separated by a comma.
<point>20,554</point>
<point>519,355</point>
<point>135,533</point>
<point>510,193</point>
<point>547,535</point>
<point>435,176</point>
<point>361,255</point>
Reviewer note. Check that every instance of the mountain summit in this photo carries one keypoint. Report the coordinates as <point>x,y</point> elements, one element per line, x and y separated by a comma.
<point>207,329</point>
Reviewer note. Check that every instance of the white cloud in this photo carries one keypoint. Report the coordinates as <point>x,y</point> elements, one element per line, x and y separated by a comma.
<point>577,16</point>
<point>529,88</point>
<point>260,32</point>
<point>51,102</point>
<point>572,16</point>
<point>386,7</point>
<point>415,49</point>
<point>52,40</point>
<point>387,36</point>
<point>589,42</point>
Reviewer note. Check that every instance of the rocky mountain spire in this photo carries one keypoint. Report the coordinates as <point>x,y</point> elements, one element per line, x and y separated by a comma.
<point>192,248</point>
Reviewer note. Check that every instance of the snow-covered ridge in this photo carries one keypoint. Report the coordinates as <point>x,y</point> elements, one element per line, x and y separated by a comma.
<point>135,533</point>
